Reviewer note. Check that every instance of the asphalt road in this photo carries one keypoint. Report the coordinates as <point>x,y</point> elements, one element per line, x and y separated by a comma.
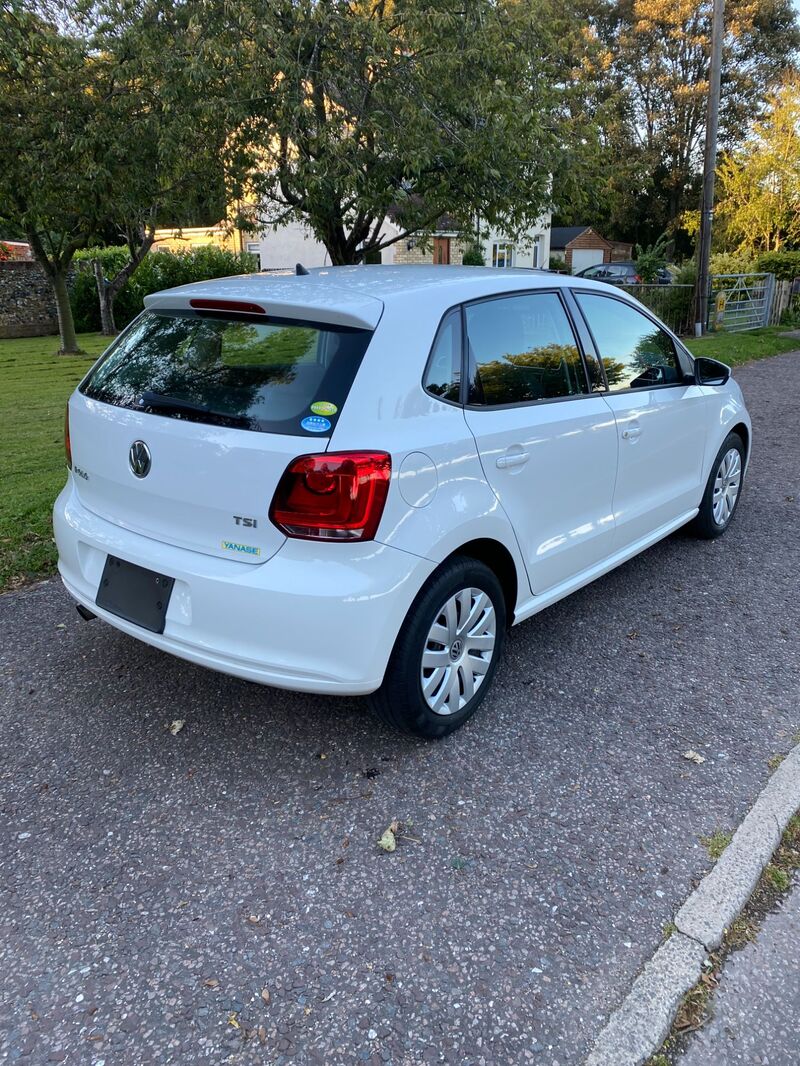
<point>153,885</point>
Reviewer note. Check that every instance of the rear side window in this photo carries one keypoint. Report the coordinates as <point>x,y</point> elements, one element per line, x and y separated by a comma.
<point>273,375</point>
<point>522,349</point>
<point>636,353</point>
<point>443,372</point>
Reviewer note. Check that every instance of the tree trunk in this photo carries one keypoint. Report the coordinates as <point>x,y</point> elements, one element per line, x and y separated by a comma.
<point>66,323</point>
<point>106,297</point>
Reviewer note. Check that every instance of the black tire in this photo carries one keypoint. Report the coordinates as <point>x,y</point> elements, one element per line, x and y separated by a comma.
<point>400,702</point>
<point>705,525</point>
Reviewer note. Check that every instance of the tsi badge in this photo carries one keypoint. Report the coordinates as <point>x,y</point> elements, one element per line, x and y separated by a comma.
<point>139,458</point>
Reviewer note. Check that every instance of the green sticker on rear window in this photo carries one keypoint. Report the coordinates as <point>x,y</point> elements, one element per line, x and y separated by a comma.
<point>322,407</point>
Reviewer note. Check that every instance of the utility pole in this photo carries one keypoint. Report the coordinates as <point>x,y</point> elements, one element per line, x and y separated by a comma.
<point>702,290</point>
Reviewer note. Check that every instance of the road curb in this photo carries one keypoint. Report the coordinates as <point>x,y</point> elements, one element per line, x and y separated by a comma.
<point>637,1029</point>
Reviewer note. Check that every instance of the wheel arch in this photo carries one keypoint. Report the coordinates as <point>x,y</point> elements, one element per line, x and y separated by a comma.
<point>495,555</point>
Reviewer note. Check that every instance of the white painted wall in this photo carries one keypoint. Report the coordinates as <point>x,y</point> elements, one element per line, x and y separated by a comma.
<point>523,254</point>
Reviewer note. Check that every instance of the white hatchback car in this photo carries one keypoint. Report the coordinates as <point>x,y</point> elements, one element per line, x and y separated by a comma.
<point>353,480</point>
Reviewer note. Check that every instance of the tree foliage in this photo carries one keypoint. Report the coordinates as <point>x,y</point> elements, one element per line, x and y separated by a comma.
<point>649,90</point>
<point>759,193</point>
<point>359,109</point>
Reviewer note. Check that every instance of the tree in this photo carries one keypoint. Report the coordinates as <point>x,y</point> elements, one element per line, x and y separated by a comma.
<point>759,195</point>
<point>425,109</point>
<point>46,165</point>
<point>162,129</point>
<point>101,131</point>
<point>658,65</point>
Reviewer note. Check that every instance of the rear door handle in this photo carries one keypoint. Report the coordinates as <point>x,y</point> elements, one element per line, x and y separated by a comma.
<point>631,434</point>
<point>515,459</point>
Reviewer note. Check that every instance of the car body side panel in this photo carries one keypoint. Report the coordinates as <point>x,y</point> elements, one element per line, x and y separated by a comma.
<point>439,498</point>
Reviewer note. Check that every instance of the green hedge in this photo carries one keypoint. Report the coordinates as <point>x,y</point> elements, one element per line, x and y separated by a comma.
<point>784,265</point>
<point>159,270</point>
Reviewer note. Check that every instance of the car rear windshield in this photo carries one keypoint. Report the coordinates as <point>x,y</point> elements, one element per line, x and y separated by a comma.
<point>267,374</point>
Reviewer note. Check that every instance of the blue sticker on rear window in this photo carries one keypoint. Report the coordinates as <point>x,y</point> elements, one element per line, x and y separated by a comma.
<point>315,424</point>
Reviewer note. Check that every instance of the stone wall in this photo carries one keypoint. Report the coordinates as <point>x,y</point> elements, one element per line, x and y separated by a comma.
<point>422,253</point>
<point>27,307</point>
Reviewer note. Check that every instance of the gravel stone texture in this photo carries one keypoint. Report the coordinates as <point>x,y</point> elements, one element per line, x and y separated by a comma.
<point>756,1007</point>
<point>153,885</point>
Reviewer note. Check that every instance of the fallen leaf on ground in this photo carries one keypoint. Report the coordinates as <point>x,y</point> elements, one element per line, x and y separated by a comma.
<point>694,757</point>
<point>254,919</point>
<point>211,982</point>
<point>176,726</point>
<point>233,1020</point>
<point>265,995</point>
<point>389,839</point>
<point>262,1034</point>
<point>61,625</point>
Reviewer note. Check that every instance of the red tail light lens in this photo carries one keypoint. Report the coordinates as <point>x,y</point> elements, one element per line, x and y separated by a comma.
<point>67,445</point>
<point>335,496</point>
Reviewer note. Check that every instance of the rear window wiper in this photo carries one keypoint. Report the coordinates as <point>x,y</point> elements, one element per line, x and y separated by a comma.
<point>155,401</point>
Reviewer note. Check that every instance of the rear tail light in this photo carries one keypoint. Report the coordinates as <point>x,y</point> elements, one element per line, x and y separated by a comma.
<point>334,496</point>
<point>67,445</point>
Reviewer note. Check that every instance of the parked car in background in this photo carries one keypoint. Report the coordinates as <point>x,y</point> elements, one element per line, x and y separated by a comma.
<point>354,480</point>
<point>624,273</point>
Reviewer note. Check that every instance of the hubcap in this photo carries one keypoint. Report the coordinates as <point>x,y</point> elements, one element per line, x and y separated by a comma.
<point>458,650</point>
<point>726,486</point>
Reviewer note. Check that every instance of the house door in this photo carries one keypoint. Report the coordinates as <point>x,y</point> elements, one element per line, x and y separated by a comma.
<point>441,251</point>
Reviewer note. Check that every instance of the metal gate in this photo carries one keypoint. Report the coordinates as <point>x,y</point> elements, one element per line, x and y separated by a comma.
<point>740,301</point>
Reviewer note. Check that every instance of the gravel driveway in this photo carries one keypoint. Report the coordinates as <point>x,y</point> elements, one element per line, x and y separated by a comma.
<point>153,885</point>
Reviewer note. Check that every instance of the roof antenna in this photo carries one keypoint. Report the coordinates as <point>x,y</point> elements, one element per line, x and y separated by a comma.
<point>300,269</point>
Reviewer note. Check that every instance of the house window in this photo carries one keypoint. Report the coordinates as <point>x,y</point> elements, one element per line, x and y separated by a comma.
<point>502,254</point>
<point>254,248</point>
<point>537,252</point>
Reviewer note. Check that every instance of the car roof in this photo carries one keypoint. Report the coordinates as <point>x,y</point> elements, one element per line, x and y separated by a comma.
<point>356,295</point>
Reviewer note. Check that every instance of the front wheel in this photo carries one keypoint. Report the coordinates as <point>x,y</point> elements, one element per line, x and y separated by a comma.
<point>723,489</point>
<point>446,654</point>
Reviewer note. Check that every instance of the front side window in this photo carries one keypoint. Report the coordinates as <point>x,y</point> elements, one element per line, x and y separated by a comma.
<point>502,254</point>
<point>522,349</point>
<point>269,375</point>
<point>636,353</point>
<point>443,372</point>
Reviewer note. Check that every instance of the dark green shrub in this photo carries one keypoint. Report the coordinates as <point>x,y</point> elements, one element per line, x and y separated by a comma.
<point>159,270</point>
<point>473,256</point>
<point>784,265</point>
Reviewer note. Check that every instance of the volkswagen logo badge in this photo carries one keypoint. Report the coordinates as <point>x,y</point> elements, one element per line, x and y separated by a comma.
<point>139,458</point>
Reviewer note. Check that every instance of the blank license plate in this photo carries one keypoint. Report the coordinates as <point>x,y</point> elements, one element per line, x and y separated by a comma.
<point>138,595</point>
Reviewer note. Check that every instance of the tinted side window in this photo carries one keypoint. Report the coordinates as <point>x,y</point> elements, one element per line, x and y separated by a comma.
<point>443,372</point>
<point>636,353</point>
<point>522,349</point>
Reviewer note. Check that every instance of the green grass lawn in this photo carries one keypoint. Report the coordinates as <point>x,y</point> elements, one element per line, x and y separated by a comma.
<point>35,384</point>
<point>737,348</point>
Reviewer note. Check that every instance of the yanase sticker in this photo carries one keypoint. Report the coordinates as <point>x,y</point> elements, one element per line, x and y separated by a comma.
<point>315,424</point>
<point>243,549</point>
<point>322,407</point>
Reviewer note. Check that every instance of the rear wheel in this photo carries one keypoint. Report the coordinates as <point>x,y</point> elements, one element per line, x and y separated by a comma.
<point>723,489</point>
<point>446,654</point>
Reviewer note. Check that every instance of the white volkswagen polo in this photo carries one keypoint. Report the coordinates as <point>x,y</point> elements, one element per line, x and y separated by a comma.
<point>354,480</point>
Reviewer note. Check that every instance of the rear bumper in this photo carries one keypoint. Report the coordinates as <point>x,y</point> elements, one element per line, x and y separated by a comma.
<point>314,617</point>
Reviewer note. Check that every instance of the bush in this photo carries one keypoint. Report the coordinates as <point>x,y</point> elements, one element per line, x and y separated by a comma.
<point>784,265</point>
<point>159,270</point>
<point>473,256</point>
<point>731,263</point>
<point>557,263</point>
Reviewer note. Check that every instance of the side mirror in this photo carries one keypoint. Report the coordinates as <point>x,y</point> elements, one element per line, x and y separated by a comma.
<point>710,371</point>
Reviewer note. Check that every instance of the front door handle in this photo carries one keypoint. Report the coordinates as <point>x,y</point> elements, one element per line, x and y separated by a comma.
<point>514,459</point>
<point>631,434</point>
